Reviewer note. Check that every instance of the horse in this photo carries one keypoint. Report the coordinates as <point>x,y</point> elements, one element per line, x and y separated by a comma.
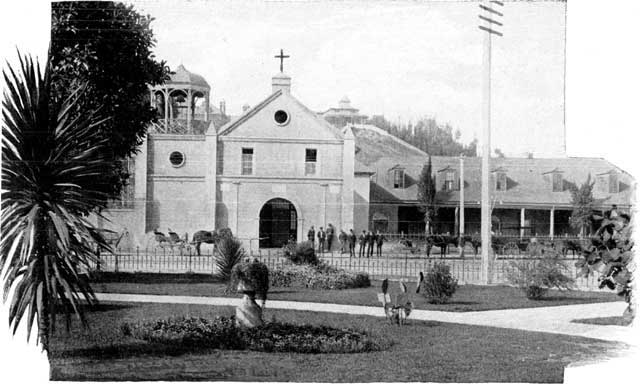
<point>210,237</point>
<point>441,241</point>
<point>474,240</point>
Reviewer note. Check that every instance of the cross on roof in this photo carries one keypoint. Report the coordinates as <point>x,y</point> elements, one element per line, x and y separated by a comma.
<point>281,56</point>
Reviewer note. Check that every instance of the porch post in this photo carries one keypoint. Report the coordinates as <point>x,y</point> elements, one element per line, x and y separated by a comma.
<point>189,110</point>
<point>522,221</point>
<point>166,110</point>
<point>551,222</point>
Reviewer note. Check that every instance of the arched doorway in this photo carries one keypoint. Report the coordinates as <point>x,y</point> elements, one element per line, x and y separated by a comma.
<point>278,223</point>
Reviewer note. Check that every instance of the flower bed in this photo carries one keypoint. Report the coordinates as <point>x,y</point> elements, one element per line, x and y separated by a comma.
<point>222,333</point>
<point>321,276</point>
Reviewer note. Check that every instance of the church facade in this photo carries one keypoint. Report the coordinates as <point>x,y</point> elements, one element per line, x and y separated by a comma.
<point>268,175</point>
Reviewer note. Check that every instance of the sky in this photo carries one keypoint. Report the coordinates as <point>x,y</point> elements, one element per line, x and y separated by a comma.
<point>403,59</point>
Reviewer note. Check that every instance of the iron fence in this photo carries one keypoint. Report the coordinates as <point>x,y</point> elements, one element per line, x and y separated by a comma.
<point>391,265</point>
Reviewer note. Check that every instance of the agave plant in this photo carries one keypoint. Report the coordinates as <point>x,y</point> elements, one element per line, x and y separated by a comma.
<point>51,167</point>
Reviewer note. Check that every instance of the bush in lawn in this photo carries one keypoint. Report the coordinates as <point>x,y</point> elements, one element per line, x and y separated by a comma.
<point>439,285</point>
<point>536,276</point>
<point>301,253</point>
<point>229,252</point>
<point>322,276</point>
<point>611,255</point>
<point>223,333</point>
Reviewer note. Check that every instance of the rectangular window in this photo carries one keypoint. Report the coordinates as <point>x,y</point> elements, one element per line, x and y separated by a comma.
<point>398,178</point>
<point>557,182</point>
<point>449,181</point>
<point>310,160</point>
<point>501,181</point>
<point>247,161</point>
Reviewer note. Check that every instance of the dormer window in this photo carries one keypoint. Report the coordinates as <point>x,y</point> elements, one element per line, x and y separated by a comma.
<point>449,180</point>
<point>500,177</point>
<point>398,178</point>
<point>501,181</point>
<point>556,179</point>
<point>608,182</point>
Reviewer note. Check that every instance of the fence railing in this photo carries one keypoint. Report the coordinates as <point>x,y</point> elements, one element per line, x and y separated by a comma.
<point>395,266</point>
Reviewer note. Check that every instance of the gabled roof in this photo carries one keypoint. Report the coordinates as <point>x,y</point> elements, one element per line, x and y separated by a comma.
<point>232,125</point>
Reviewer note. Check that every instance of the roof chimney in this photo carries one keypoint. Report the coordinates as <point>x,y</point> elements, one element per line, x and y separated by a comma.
<point>282,82</point>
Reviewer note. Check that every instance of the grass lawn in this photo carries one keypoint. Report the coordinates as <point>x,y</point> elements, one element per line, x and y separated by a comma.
<point>466,298</point>
<point>422,351</point>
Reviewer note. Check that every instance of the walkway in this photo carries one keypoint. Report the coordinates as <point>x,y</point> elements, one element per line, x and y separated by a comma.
<point>542,319</point>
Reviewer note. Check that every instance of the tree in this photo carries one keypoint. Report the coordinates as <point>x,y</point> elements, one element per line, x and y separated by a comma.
<point>499,152</point>
<point>50,160</point>
<point>107,46</point>
<point>427,195</point>
<point>429,136</point>
<point>611,255</point>
<point>582,201</point>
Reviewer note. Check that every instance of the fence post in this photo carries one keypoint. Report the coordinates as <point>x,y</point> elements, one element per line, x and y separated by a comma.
<point>406,262</point>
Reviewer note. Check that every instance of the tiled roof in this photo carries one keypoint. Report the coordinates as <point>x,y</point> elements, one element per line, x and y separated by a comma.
<point>529,181</point>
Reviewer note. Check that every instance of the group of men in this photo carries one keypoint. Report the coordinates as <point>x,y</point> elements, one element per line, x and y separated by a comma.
<point>366,240</point>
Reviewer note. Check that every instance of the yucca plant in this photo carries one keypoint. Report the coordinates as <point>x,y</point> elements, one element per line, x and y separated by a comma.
<point>229,252</point>
<point>51,168</point>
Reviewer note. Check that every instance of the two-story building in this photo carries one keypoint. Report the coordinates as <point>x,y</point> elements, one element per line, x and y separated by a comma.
<point>268,175</point>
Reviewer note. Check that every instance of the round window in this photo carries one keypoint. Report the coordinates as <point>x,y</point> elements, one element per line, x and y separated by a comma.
<point>281,117</point>
<point>176,158</point>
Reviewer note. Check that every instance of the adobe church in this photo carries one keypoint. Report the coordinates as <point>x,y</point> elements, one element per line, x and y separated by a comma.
<point>280,168</point>
<point>268,174</point>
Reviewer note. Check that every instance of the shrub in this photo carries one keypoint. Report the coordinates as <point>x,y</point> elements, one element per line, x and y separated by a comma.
<point>229,252</point>
<point>439,285</point>
<point>611,254</point>
<point>321,276</point>
<point>301,253</point>
<point>536,276</point>
<point>254,275</point>
<point>222,333</point>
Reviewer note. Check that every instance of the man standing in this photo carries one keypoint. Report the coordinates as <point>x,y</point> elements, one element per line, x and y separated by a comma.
<point>379,242</point>
<point>363,243</point>
<point>343,240</point>
<point>311,236</point>
<point>322,236</point>
<point>371,239</point>
<point>330,233</point>
<point>352,243</point>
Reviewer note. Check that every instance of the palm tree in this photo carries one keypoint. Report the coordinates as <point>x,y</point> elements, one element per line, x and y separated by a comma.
<point>51,166</point>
